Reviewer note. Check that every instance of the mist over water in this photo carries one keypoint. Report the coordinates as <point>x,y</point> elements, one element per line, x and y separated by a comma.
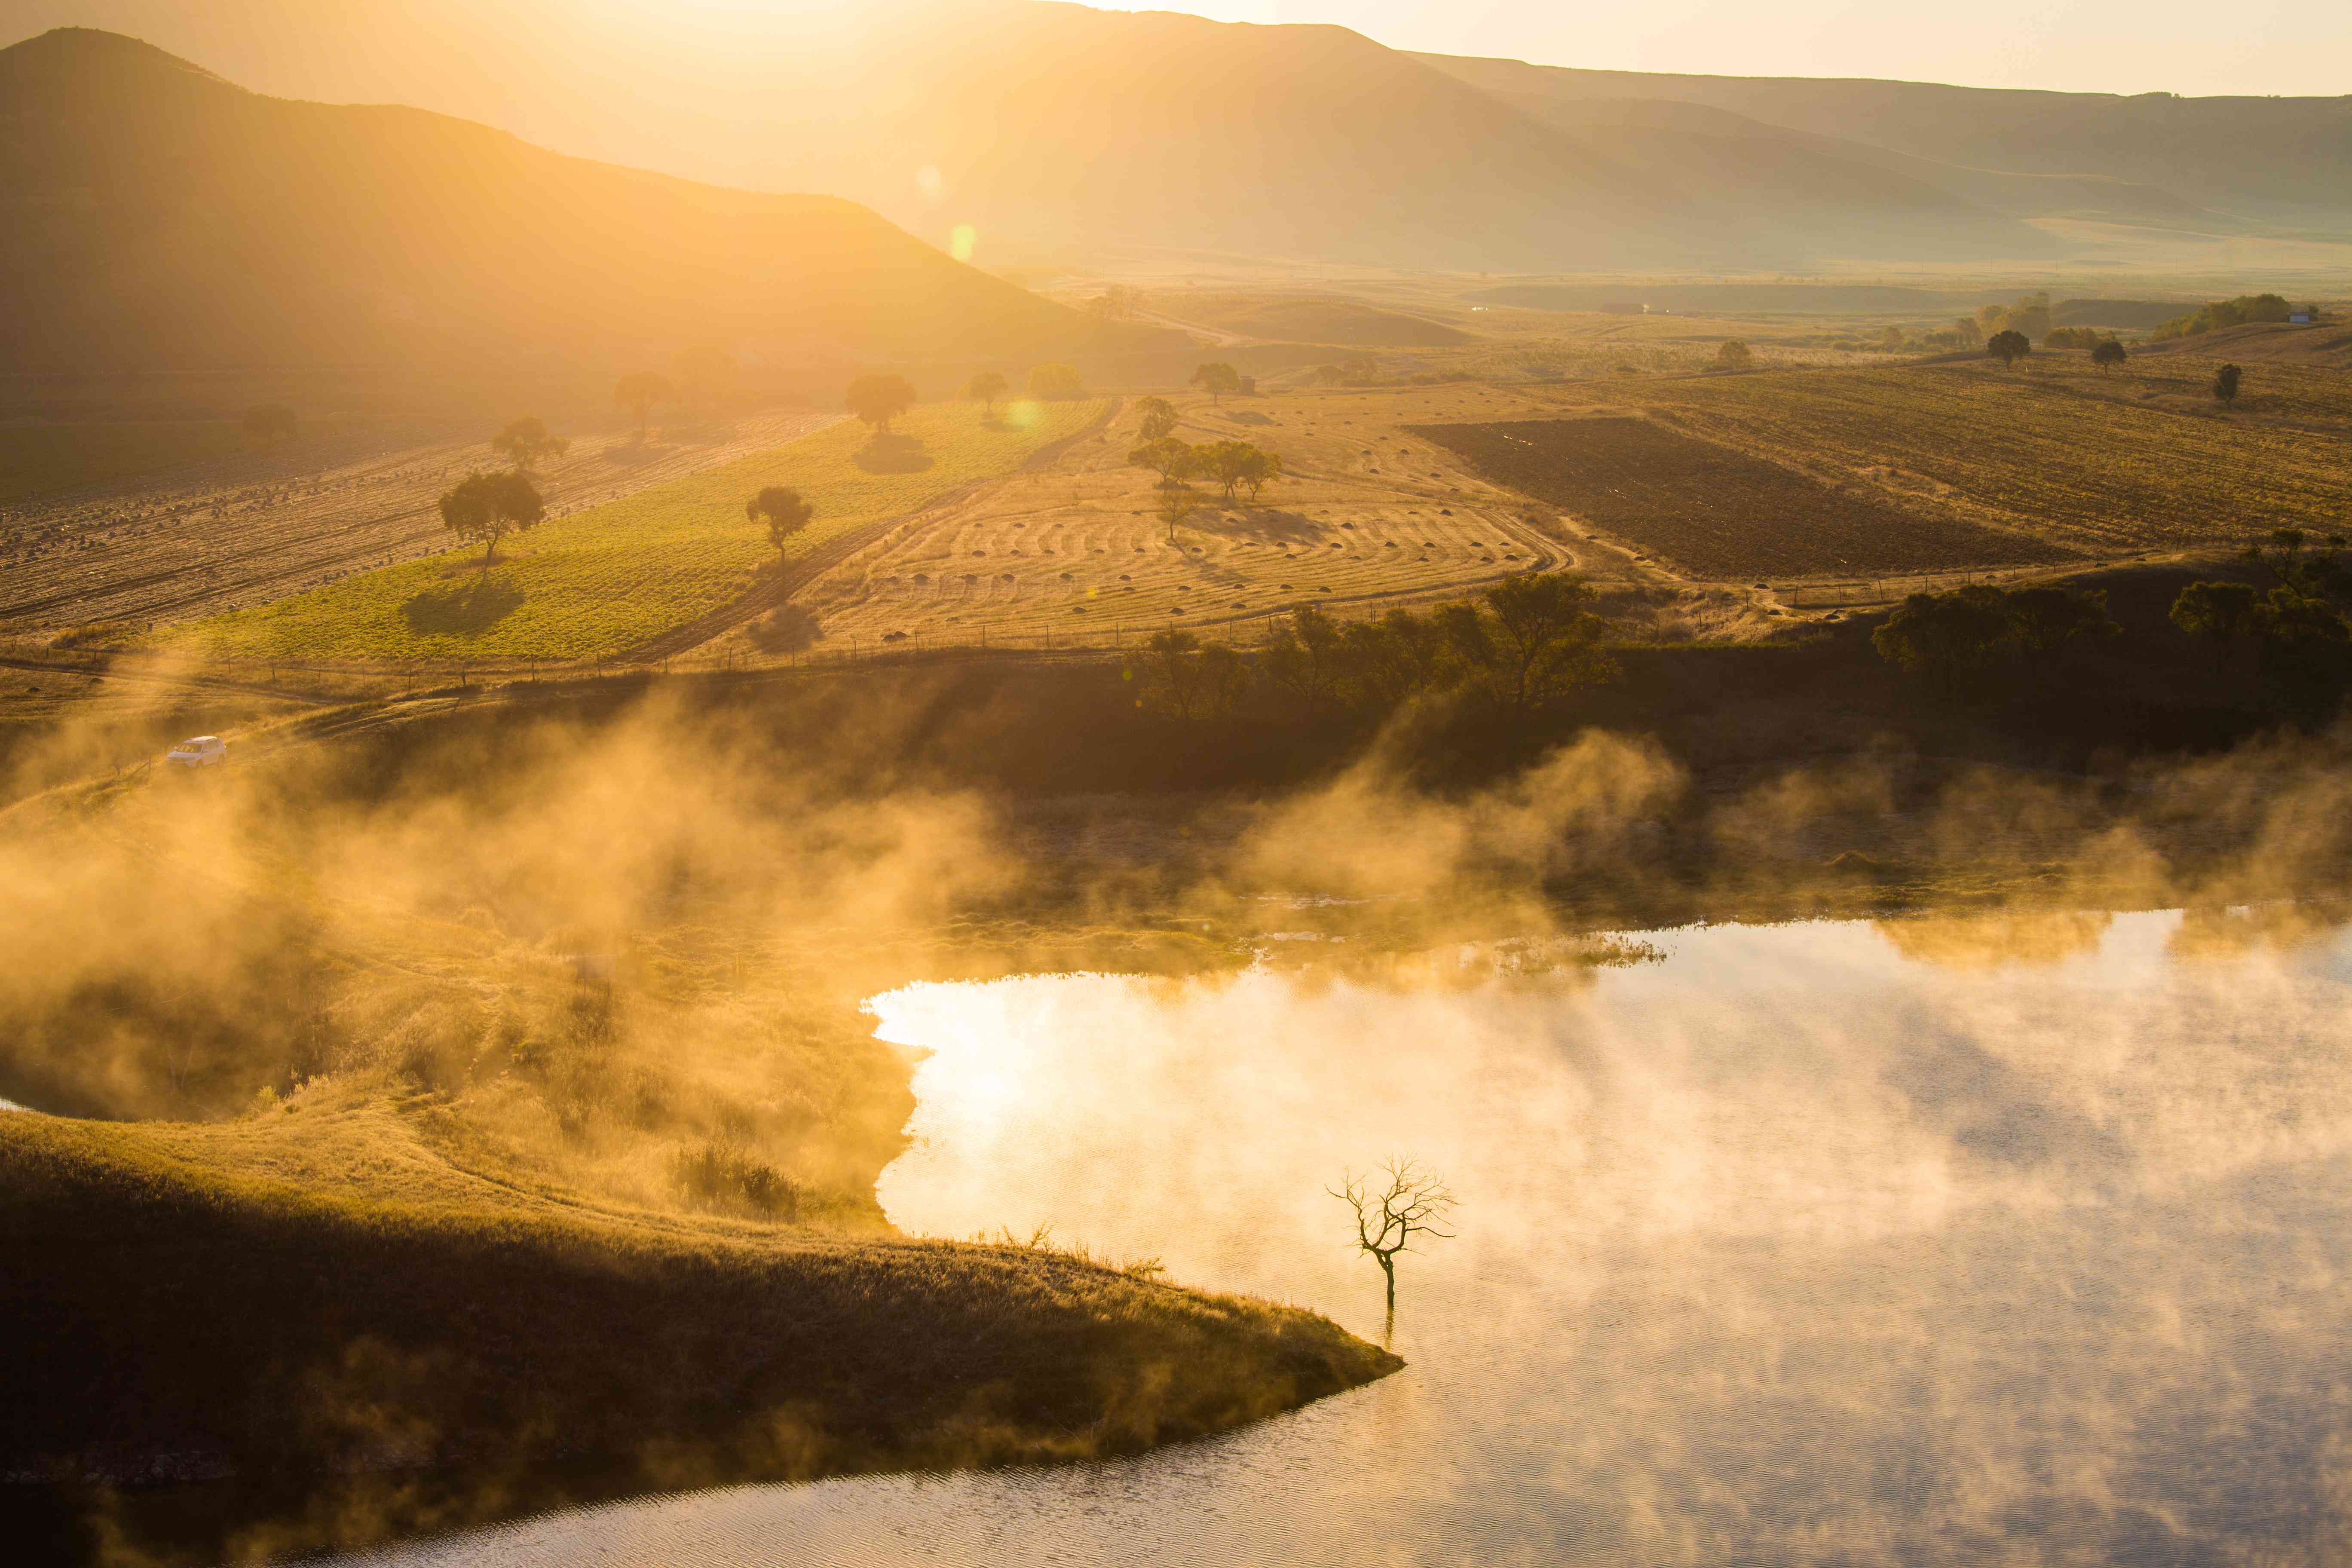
<point>1814,1243</point>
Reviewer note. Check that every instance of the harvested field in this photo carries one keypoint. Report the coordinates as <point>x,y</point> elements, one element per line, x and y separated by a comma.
<point>609,578</point>
<point>247,528</point>
<point>2105,466</point>
<point>1716,512</point>
<point>1363,518</point>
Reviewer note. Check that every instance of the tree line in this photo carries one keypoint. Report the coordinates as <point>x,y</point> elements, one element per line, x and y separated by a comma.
<point>1523,644</point>
<point>2290,643</point>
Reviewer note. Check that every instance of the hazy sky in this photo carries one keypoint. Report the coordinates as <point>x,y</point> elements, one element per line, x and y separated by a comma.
<point>2291,47</point>
<point>465,55</point>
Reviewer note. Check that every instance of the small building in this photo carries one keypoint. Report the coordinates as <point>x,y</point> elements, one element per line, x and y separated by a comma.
<point>2299,318</point>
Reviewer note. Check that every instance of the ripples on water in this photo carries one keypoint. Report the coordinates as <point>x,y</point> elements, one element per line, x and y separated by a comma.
<point>1811,1244</point>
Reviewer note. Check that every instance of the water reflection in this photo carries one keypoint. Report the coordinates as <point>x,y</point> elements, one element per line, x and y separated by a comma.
<point>1825,1242</point>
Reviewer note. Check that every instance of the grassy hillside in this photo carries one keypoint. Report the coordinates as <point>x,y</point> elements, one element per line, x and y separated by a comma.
<point>156,216</point>
<point>458,1209</point>
<point>315,1297</point>
<point>608,578</point>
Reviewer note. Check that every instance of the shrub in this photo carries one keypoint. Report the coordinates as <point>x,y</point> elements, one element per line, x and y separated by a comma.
<point>2222,313</point>
<point>719,1176</point>
<point>1965,640</point>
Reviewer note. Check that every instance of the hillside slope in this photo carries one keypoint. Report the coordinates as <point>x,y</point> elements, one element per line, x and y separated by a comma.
<point>379,1341</point>
<point>2265,156</point>
<point>1315,142</point>
<point>1532,89</point>
<point>153,215</point>
<point>1055,127</point>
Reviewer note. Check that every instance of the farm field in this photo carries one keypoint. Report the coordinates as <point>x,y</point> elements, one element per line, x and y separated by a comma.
<point>2108,467</point>
<point>34,459</point>
<point>1363,518</point>
<point>1716,512</point>
<point>212,536</point>
<point>609,577</point>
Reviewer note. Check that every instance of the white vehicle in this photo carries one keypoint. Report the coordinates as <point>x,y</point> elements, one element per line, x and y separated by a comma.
<point>203,751</point>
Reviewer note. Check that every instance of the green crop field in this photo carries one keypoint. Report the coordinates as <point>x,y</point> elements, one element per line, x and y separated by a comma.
<point>38,457</point>
<point>610,578</point>
<point>2139,461</point>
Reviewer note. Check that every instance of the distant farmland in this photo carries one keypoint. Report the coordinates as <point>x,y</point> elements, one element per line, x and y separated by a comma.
<point>38,457</point>
<point>2136,461</point>
<point>1716,512</point>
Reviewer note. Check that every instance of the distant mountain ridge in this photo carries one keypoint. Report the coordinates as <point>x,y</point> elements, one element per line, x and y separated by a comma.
<point>1044,127</point>
<point>2286,157</point>
<point>156,216</point>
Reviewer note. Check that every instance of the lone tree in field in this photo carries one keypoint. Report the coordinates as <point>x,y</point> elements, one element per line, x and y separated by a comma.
<point>2008,346</point>
<point>270,422</point>
<point>1175,506</point>
<point>639,389</point>
<point>2107,353</point>
<point>1155,419</point>
<point>489,506</point>
<point>528,442</point>
<point>1235,463</point>
<point>786,513</point>
<point>1056,384</point>
<point>879,399</point>
<point>1175,462</point>
<point>986,388</point>
<point>1394,1204</point>
<point>1734,355</point>
<point>1217,378</point>
<point>2225,385</point>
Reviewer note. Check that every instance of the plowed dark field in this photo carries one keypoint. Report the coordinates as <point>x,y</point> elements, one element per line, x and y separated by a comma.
<point>1717,512</point>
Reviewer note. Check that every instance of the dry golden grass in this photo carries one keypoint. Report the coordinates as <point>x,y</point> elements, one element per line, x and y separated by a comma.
<point>1366,516</point>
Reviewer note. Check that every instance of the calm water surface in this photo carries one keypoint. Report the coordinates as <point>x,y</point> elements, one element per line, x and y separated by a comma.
<point>1831,1243</point>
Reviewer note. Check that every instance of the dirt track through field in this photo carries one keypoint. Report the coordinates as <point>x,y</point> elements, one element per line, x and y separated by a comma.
<point>218,536</point>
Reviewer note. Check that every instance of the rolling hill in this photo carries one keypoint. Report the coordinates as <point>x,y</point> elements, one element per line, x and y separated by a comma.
<point>1058,128</point>
<point>1168,130</point>
<point>2150,155</point>
<point>156,216</point>
<point>1053,130</point>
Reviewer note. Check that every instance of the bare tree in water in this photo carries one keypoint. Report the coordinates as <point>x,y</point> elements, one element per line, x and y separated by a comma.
<point>1393,1203</point>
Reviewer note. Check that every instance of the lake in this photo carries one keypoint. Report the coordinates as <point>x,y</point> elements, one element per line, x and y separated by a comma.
<point>1933,1241</point>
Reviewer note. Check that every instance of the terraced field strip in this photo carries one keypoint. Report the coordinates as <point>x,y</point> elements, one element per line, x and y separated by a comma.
<point>242,530</point>
<point>2136,464</point>
<point>1716,512</point>
<point>613,577</point>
